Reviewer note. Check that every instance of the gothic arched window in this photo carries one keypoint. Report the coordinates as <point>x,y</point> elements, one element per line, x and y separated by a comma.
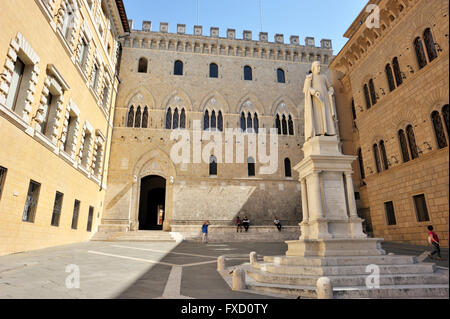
<point>251,167</point>
<point>256,123</point>
<point>429,44</point>
<point>284,125</point>
<point>361,164</point>
<point>420,53</point>
<point>390,77</point>
<point>213,120</point>
<point>137,120</point>
<point>143,65</point>
<point>176,119</point>
<point>412,142</point>
<point>169,119</point>
<point>438,130</point>
<point>145,118</point>
<point>291,125</point>
<point>373,95</point>
<point>281,76</point>
<point>376,155</point>
<point>249,123</point>
<point>384,155</point>
<point>403,146</point>
<point>178,68</point>
<point>213,166</point>
<point>397,71</point>
<point>243,122</point>
<point>248,74</point>
<point>278,124</point>
<point>220,121</point>
<point>367,96</point>
<point>213,70</point>
<point>183,119</point>
<point>287,168</point>
<point>130,119</point>
<point>206,121</point>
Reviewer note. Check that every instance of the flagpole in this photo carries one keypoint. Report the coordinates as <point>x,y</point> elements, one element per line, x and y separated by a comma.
<point>260,15</point>
<point>198,8</point>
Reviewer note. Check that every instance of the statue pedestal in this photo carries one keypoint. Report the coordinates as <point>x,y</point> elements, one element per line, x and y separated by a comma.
<point>331,226</point>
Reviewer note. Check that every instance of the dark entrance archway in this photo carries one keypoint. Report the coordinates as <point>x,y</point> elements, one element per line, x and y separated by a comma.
<point>152,203</point>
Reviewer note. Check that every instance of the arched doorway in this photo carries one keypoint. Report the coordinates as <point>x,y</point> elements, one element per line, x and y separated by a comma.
<point>152,204</point>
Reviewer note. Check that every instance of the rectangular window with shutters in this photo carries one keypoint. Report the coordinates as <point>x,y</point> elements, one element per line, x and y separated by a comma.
<point>57,206</point>
<point>421,208</point>
<point>76,212</point>
<point>2,179</point>
<point>90,217</point>
<point>29,211</point>
<point>390,213</point>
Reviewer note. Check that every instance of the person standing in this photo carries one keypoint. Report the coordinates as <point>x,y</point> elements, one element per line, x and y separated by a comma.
<point>433,239</point>
<point>277,223</point>
<point>246,223</point>
<point>238,223</point>
<point>205,232</point>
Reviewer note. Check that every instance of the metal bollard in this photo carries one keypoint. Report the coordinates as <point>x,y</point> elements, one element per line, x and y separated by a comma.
<point>221,263</point>
<point>324,288</point>
<point>239,280</point>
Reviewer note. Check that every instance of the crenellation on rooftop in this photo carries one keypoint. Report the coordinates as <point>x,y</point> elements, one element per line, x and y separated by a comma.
<point>247,35</point>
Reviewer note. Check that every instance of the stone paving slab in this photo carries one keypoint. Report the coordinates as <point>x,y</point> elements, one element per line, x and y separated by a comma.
<point>137,270</point>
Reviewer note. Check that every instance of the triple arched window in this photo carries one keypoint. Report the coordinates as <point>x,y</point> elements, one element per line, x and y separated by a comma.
<point>408,144</point>
<point>249,123</point>
<point>213,120</point>
<point>422,43</point>
<point>175,120</point>
<point>438,128</point>
<point>138,118</point>
<point>284,125</point>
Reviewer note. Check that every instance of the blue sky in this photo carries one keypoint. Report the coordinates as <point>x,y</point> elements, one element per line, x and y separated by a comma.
<point>324,19</point>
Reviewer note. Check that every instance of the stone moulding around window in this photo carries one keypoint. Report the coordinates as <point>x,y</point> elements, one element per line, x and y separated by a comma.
<point>73,24</point>
<point>87,128</point>
<point>97,158</point>
<point>71,110</point>
<point>54,84</point>
<point>19,47</point>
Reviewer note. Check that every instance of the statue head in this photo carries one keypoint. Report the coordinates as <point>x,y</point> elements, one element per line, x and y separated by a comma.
<point>315,67</point>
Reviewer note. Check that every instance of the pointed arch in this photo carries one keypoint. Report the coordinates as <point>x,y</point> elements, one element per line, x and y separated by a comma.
<point>250,103</point>
<point>178,98</point>
<point>130,117</point>
<point>137,118</point>
<point>145,118</point>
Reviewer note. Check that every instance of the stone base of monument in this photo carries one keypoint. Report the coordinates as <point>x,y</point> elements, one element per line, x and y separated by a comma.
<point>333,245</point>
<point>400,277</point>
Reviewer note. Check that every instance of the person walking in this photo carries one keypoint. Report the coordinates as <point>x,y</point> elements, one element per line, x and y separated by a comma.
<point>205,232</point>
<point>238,223</point>
<point>433,239</point>
<point>246,223</point>
<point>277,223</point>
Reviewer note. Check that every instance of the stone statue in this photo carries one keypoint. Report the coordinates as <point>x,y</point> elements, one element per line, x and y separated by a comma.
<point>320,108</point>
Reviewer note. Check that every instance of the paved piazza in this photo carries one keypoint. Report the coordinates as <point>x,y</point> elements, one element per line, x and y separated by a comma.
<point>136,270</point>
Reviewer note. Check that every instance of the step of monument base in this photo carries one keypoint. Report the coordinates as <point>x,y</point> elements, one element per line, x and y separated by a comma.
<point>422,268</point>
<point>386,292</point>
<point>348,280</point>
<point>340,260</point>
<point>335,247</point>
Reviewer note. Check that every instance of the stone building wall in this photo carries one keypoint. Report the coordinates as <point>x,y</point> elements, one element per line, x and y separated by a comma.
<point>193,195</point>
<point>34,32</point>
<point>423,91</point>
